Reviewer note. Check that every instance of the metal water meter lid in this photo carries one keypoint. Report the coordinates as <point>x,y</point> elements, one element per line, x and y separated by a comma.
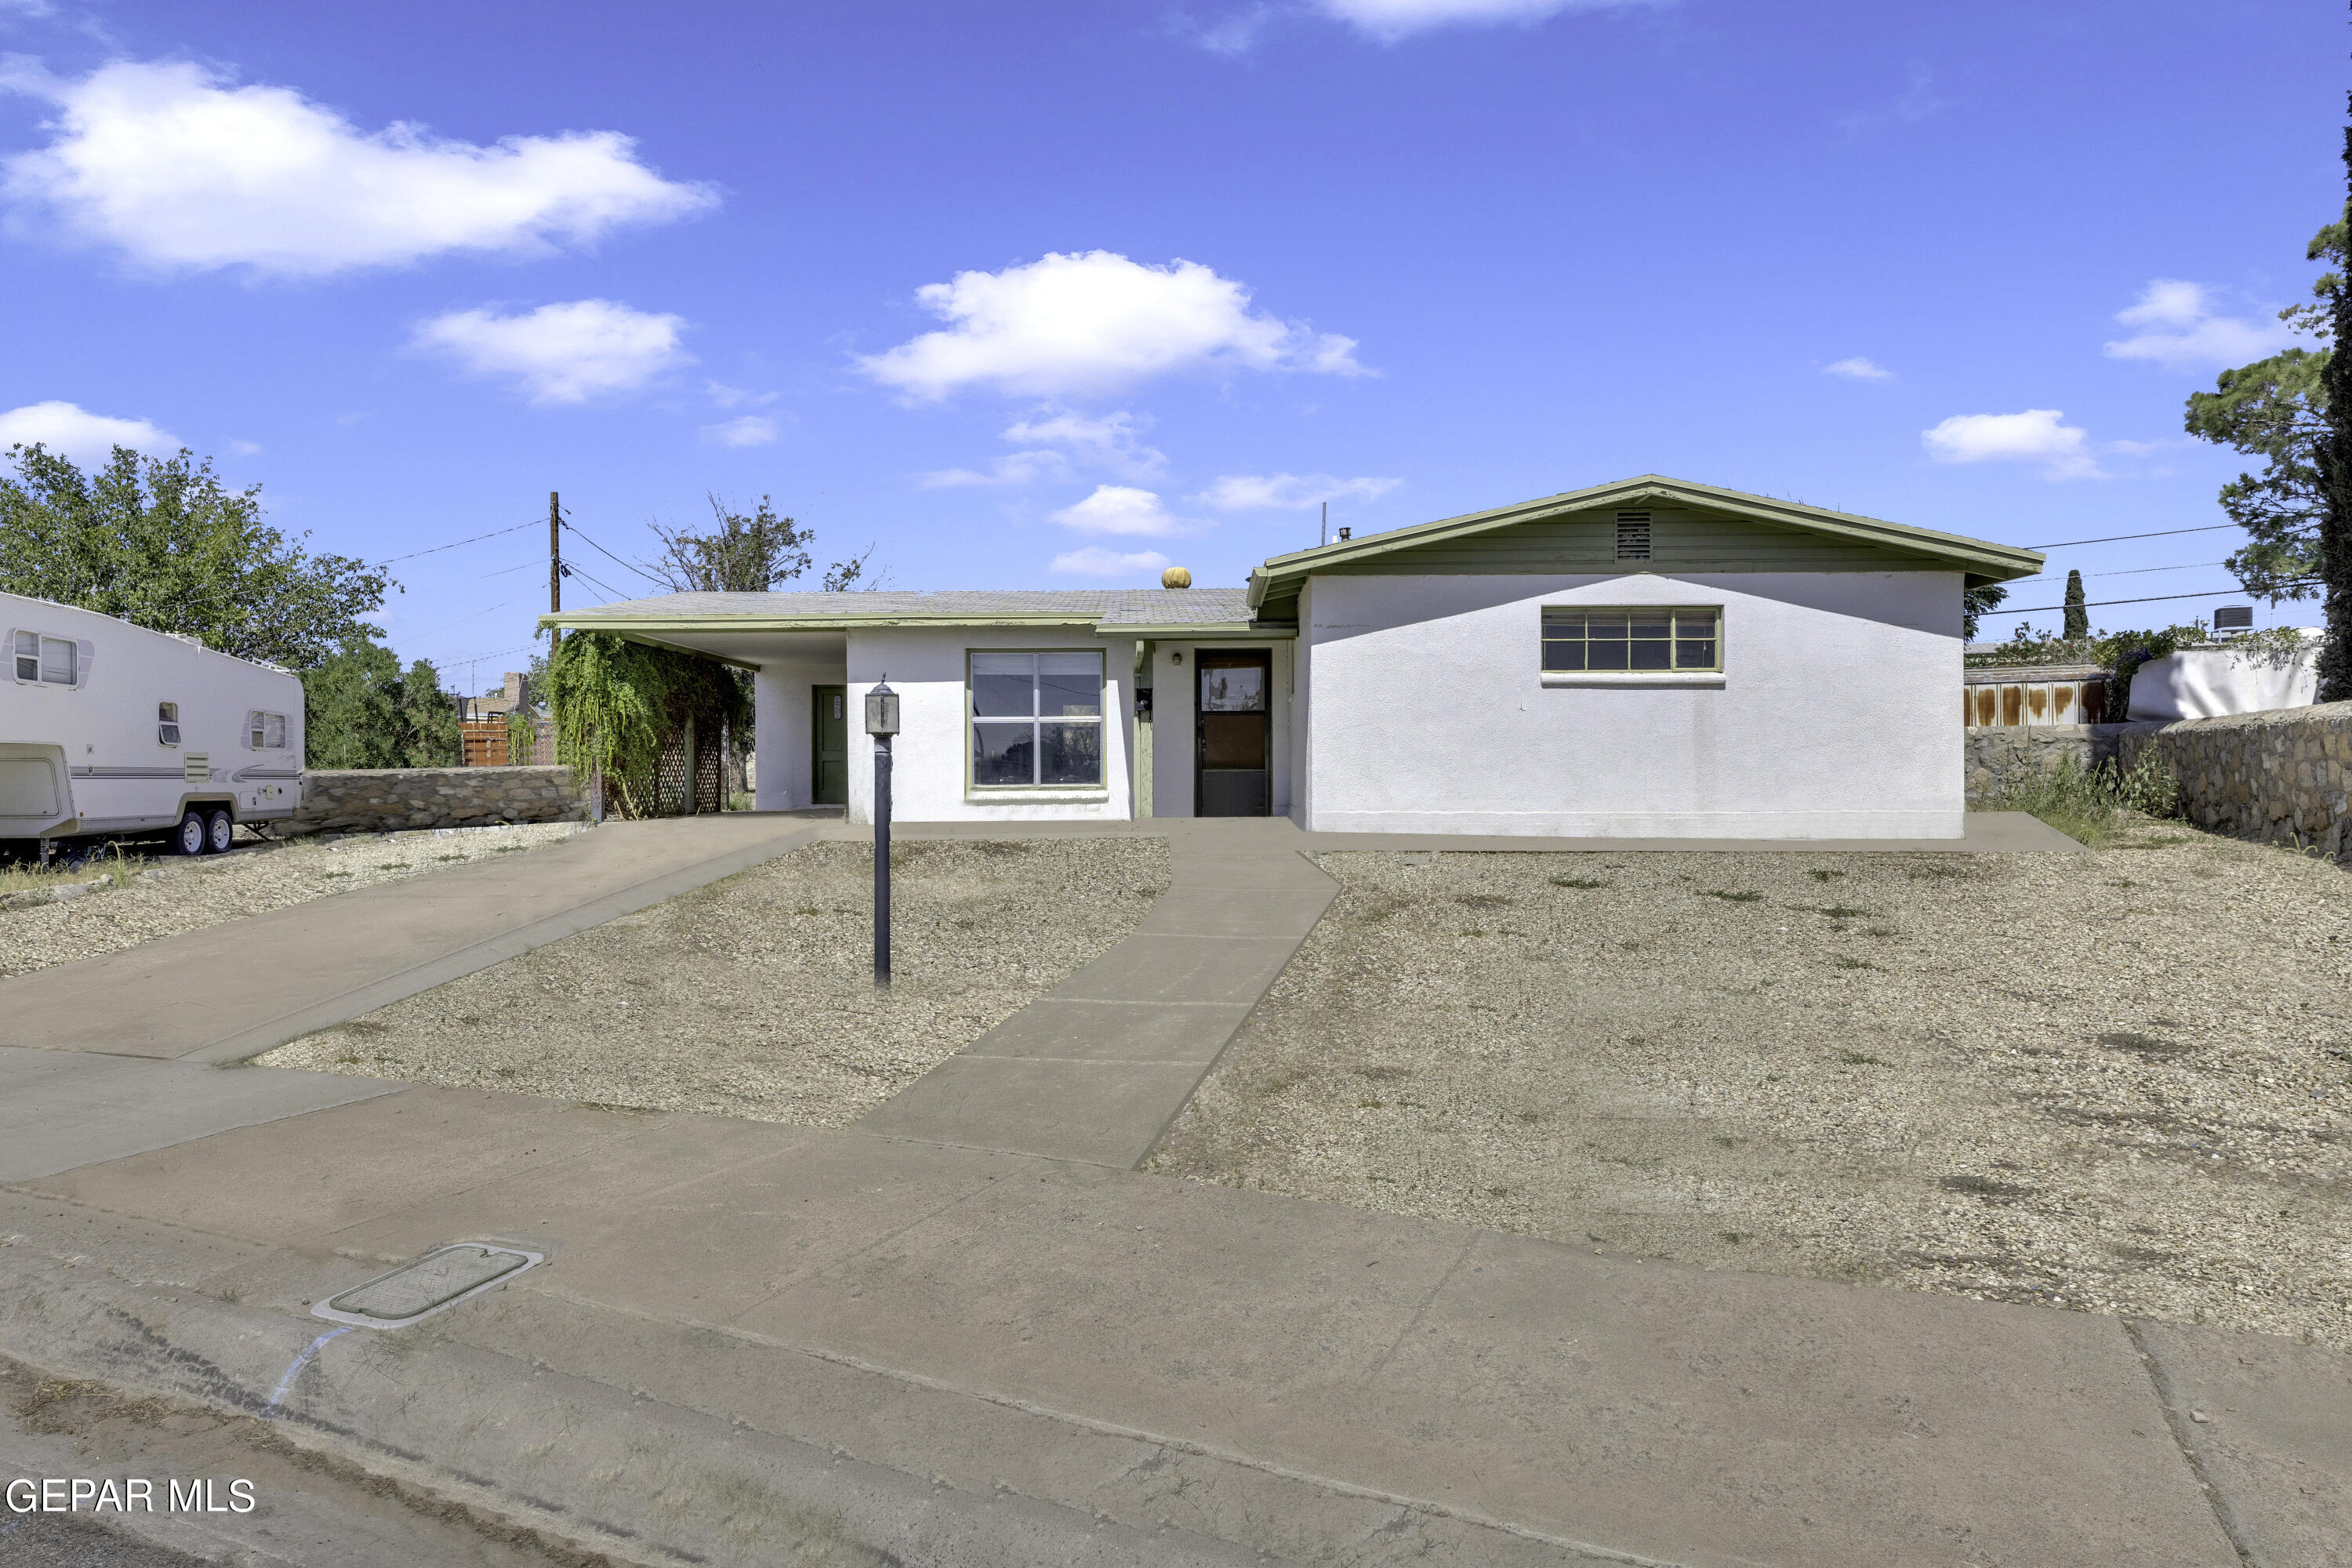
<point>882,710</point>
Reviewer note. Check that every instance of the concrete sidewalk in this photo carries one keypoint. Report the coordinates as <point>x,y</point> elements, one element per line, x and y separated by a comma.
<point>232,991</point>
<point>1097,1067</point>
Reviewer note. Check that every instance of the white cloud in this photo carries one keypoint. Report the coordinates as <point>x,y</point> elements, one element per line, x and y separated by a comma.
<point>562,353</point>
<point>74,432</point>
<point>1067,325</point>
<point>726,396</point>
<point>1858,369</point>
<point>2181,331</point>
<point>1389,20</point>
<point>1288,492</point>
<point>1113,443</point>
<point>745,430</point>
<point>245,448</point>
<point>2033,437</point>
<point>1012,469</point>
<point>180,169</point>
<point>1121,509</point>
<point>1094,561</point>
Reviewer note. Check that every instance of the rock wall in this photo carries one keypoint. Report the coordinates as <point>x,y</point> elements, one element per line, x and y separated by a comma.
<point>2000,757</point>
<point>2284,776</point>
<point>378,800</point>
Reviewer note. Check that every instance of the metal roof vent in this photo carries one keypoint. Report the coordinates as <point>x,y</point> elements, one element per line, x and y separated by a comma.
<point>2230,620</point>
<point>1633,536</point>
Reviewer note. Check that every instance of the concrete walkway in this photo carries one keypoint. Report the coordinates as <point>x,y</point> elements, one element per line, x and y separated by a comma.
<point>1097,1067</point>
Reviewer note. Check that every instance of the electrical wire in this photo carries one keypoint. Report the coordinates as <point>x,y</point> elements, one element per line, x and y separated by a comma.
<point>2128,570</point>
<point>435,550</point>
<point>2150,599</point>
<point>582,573</point>
<point>2119,538</point>
<point>630,564</point>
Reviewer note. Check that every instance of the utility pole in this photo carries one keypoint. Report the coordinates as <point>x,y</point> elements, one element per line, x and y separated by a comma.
<point>555,569</point>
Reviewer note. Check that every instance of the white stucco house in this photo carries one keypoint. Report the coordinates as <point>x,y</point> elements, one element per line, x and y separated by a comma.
<point>1647,659</point>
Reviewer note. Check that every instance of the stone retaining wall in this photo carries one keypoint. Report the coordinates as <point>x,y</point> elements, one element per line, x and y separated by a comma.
<point>2284,776</point>
<point>2001,757</point>
<point>380,800</point>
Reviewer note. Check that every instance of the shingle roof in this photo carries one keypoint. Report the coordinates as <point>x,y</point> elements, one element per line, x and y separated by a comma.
<point>1102,607</point>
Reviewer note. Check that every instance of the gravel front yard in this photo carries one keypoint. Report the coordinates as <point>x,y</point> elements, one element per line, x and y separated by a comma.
<point>192,894</point>
<point>2114,1081</point>
<point>754,996</point>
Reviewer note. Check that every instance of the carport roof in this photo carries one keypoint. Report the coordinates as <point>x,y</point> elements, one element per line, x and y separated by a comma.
<point>1155,612</point>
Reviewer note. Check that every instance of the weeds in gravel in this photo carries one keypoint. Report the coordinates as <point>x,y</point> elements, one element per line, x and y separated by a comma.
<point>1585,884</point>
<point>1858,1059</point>
<point>111,866</point>
<point>2093,805</point>
<point>1840,912</point>
<point>1731,898</point>
<point>1855,963</point>
<point>1820,875</point>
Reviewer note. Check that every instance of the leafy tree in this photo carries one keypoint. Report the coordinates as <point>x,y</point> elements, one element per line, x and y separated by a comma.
<point>361,711</point>
<point>158,543</point>
<point>617,703</point>
<point>2078,619</point>
<point>747,553</point>
<point>2276,409</point>
<point>1975,605</point>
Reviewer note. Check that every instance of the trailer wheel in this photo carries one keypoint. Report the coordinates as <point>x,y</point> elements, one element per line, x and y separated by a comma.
<point>188,838</point>
<point>220,832</point>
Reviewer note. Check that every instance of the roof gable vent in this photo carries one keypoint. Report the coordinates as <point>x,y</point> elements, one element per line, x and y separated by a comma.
<point>1633,536</point>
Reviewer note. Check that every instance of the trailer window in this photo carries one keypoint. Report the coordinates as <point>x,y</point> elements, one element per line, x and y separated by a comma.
<point>167,723</point>
<point>52,660</point>
<point>265,731</point>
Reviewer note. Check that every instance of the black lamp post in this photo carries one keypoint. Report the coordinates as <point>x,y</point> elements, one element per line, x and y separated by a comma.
<point>882,723</point>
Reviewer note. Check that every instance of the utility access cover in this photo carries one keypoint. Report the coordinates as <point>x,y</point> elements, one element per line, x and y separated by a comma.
<point>442,1278</point>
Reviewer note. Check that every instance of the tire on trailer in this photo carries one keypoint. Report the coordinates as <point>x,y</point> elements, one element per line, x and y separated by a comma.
<point>220,831</point>
<point>188,838</point>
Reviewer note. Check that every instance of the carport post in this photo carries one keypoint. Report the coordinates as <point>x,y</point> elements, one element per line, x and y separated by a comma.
<point>882,723</point>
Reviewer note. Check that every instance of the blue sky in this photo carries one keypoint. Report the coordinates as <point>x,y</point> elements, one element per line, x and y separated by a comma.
<point>1053,293</point>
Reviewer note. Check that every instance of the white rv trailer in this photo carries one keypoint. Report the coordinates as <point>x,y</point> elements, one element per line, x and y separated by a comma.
<point>110,729</point>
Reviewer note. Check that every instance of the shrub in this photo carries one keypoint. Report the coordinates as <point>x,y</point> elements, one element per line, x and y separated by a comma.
<point>2091,806</point>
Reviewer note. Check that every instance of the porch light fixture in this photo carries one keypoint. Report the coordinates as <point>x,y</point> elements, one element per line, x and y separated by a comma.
<point>882,723</point>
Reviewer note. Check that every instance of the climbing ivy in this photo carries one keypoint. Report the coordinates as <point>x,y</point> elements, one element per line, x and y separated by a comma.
<point>617,704</point>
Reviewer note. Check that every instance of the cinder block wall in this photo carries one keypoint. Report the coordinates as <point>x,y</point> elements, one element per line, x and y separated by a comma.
<point>380,800</point>
<point>2284,776</point>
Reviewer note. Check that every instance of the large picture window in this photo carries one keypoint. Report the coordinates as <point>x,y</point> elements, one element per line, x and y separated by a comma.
<point>1576,639</point>
<point>1036,720</point>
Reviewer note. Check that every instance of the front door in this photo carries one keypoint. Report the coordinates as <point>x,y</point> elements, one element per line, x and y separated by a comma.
<point>830,750</point>
<point>1233,778</point>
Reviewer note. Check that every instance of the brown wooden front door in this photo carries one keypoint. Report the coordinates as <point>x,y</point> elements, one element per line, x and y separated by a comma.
<point>1234,776</point>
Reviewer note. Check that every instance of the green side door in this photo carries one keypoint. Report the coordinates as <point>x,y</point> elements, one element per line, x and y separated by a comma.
<point>830,786</point>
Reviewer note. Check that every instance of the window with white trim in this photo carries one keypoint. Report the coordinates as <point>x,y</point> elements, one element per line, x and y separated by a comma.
<point>52,661</point>
<point>1036,720</point>
<point>1649,638</point>
<point>265,731</point>
<point>167,723</point>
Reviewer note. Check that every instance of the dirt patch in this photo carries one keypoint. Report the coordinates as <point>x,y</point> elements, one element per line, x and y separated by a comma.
<point>754,996</point>
<point>2117,1081</point>
<point>187,895</point>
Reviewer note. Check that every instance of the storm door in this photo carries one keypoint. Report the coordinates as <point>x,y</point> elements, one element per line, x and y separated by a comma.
<point>829,751</point>
<point>1233,776</point>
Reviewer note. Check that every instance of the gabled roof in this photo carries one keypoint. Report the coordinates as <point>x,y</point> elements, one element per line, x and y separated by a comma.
<point>1279,578</point>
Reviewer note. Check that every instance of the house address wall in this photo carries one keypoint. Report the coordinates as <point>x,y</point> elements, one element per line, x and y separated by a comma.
<point>380,800</point>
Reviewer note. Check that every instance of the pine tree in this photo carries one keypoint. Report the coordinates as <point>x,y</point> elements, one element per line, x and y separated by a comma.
<point>2078,619</point>
<point>2335,490</point>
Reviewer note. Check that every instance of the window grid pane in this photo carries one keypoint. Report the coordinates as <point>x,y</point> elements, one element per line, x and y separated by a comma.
<point>1036,719</point>
<point>57,660</point>
<point>1576,640</point>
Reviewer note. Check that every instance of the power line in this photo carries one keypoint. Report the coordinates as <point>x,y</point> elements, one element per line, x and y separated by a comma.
<point>630,564</point>
<point>494,533</point>
<point>582,571</point>
<point>2152,599</point>
<point>2131,571</point>
<point>2118,538</point>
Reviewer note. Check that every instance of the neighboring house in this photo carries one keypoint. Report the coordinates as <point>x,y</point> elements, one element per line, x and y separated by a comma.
<point>1648,658</point>
<point>484,727</point>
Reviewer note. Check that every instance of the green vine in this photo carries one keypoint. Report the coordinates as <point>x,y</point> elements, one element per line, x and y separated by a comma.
<point>617,704</point>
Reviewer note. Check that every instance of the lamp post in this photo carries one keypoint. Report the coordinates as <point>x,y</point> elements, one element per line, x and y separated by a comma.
<point>882,723</point>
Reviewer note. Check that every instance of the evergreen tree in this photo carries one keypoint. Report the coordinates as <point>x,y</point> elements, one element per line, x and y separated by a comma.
<point>2078,619</point>
<point>2336,491</point>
